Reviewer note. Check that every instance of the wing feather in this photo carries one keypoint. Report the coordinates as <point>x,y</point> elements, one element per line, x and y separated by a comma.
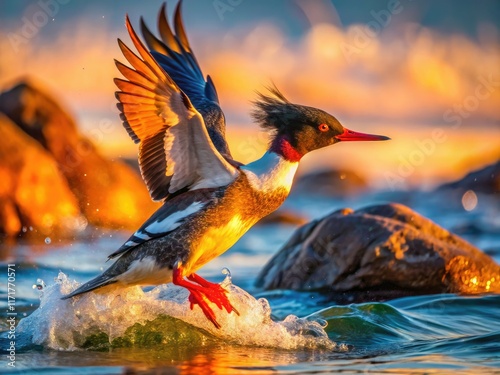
<point>153,164</point>
<point>175,149</point>
<point>134,60</point>
<point>134,88</point>
<point>179,28</point>
<point>151,40</point>
<point>146,56</point>
<point>133,75</point>
<point>174,54</point>
<point>165,30</point>
<point>131,98</point>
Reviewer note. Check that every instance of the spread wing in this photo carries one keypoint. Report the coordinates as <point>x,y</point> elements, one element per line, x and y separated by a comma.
<point>174,54</point>
<point>175,149</point>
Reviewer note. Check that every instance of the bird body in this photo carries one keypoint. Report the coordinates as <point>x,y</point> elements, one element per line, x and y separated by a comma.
<point>200,225</point>
<point>209,199</point>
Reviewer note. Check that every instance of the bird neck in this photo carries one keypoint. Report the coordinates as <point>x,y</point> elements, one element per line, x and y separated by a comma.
<point>271,172</point>
<point>282,146</point>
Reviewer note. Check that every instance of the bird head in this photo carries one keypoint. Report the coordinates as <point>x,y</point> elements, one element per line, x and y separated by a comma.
<point>297,129</point>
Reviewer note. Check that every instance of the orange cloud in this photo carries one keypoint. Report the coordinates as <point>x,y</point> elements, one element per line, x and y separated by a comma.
<point>411,79</point>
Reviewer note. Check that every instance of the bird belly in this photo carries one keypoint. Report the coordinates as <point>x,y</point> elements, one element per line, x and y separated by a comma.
<point>215,241</point>
<point>145,271</point>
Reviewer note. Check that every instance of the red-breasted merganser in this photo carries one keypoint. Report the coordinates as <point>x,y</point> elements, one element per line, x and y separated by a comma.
<point>210,200</point>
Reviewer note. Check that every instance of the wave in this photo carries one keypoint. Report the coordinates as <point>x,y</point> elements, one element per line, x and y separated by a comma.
<point>133,317</point>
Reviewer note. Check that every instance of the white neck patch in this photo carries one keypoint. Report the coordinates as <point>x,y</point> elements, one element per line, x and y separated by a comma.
<point>270,172</point>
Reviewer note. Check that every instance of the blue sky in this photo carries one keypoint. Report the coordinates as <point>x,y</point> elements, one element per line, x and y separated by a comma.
<point>448,16</point>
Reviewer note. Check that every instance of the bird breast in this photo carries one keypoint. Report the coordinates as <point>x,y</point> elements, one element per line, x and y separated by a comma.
<point>216,240</point>
<point>259,190</point>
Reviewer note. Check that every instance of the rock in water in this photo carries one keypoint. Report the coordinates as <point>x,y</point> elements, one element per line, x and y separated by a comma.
<point>377,253</point>
<point>485,180</point>
<point>109,192</point>
<point>33,192</point>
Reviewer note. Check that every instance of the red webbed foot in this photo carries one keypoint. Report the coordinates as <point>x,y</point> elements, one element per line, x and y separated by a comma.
<point>214,293</point>
<point>202,292</point>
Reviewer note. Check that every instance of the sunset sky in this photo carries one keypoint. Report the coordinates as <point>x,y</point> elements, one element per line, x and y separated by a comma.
<point>425,73</point>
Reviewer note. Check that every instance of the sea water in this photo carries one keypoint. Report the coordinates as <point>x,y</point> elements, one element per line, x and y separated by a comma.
<point>135,330</point>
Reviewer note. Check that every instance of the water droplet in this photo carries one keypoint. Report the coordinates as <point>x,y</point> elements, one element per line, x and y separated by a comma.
<point>227,272</point>
<point>40,285</point>
<point>469,200</point>
<point>48,240</point>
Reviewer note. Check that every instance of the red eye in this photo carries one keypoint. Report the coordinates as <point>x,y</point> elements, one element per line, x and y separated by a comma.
<point>323,127</point>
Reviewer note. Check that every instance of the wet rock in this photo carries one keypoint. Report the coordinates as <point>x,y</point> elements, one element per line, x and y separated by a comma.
<point>377,253</point>
<point>485,180</point>
<point>109,192</point>
<point>331,182</point>
<point>33,192</point>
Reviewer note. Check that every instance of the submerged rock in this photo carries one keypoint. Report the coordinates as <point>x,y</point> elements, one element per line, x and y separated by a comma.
<point>33,192</point>
<point>377,253</point>
<point>109,192</point>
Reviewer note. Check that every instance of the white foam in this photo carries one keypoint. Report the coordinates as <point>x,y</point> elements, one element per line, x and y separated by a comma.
<point>67,324</point>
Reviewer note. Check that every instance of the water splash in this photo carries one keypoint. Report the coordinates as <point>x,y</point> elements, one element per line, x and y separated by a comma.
<point>132,317</point>
<point>40,286</point>
<point>227,272</point>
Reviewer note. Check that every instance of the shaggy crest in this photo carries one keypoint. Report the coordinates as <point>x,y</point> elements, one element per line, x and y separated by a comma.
<point>273,111</point>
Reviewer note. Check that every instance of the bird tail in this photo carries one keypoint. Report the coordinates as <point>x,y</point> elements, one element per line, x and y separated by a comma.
<point>99,282</point>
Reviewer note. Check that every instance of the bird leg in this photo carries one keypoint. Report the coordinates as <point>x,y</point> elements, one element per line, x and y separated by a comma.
<point>202,291</point>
